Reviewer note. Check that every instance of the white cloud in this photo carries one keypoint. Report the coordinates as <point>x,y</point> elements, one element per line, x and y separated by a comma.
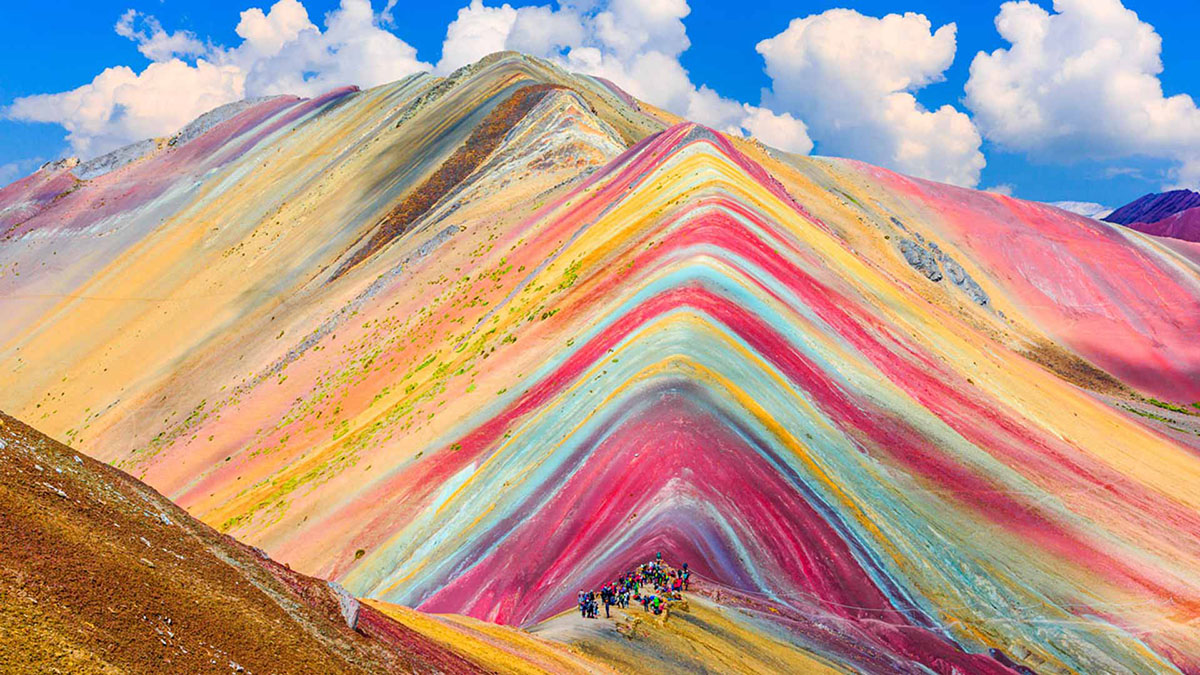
<point>851,78</point>
<point>266,34</point>
<point>153,42</point>
<point>634,43</point>
<point>476,32</point>
<point>281,52</point>
<point>542,30</point>
<point>782,131</point>
<point>120,106</point>
<point>845,78</point>
<point>1082,83</point>
<point>354,49</point>
<point>12,171</point>
<point>1005,189</point>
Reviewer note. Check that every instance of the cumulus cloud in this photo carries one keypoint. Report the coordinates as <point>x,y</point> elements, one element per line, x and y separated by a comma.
<point>542,30</point>
<point>1082,83</point>
<point>353,49</point>
<point>782,131</point>
<point>155,43</point>
<point>281,51</point>
<point>851,78</point>
<point>477,31</point>
<point>842,77</point>
<point>634,43</point>
<point>120,106</point>
<point>265,34</point>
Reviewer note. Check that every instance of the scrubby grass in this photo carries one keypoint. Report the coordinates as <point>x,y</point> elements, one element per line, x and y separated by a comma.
<point>1171,406</point>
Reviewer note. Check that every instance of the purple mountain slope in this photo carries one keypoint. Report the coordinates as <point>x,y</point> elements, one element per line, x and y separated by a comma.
<point>1152,208</point>
<point>1184,225</point>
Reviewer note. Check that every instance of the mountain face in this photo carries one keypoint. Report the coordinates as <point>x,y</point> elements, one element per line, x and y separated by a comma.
<point>1174,214</point>
<point>473,343</point>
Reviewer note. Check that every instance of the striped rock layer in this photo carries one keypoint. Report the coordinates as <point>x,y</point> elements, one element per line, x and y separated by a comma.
<point>470,344</point>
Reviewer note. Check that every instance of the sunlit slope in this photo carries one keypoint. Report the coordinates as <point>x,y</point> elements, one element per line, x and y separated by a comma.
<point>142,274</point>
<point>719,376</point>
<point>898,412</point>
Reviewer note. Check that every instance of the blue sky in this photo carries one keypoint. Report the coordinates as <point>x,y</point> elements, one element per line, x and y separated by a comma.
<point>50,49</point>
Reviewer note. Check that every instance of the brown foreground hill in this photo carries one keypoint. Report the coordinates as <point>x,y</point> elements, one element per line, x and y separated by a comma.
<point>100,573</point>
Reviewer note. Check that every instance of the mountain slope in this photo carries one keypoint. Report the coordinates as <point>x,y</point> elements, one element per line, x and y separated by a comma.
<point>924,425</point>
<point>1184,225</point>
<point>99,573</point>
<point>1152,208</point>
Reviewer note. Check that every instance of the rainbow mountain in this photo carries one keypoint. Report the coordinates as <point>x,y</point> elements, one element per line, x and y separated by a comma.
<point>470,344</point>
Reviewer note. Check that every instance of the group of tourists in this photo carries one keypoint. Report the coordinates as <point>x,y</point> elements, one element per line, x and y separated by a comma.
<point>667,584</point>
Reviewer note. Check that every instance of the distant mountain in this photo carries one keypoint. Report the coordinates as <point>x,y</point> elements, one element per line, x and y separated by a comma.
<point>1174,214</point>
<point>1086,209</point>
<point>1153,207</point>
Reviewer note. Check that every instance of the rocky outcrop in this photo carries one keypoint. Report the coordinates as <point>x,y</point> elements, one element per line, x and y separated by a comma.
<point>929,259</point>
<point>348,604</point>
<point>922,259</point>
<point>212,118</point>
<point>116,159</point>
